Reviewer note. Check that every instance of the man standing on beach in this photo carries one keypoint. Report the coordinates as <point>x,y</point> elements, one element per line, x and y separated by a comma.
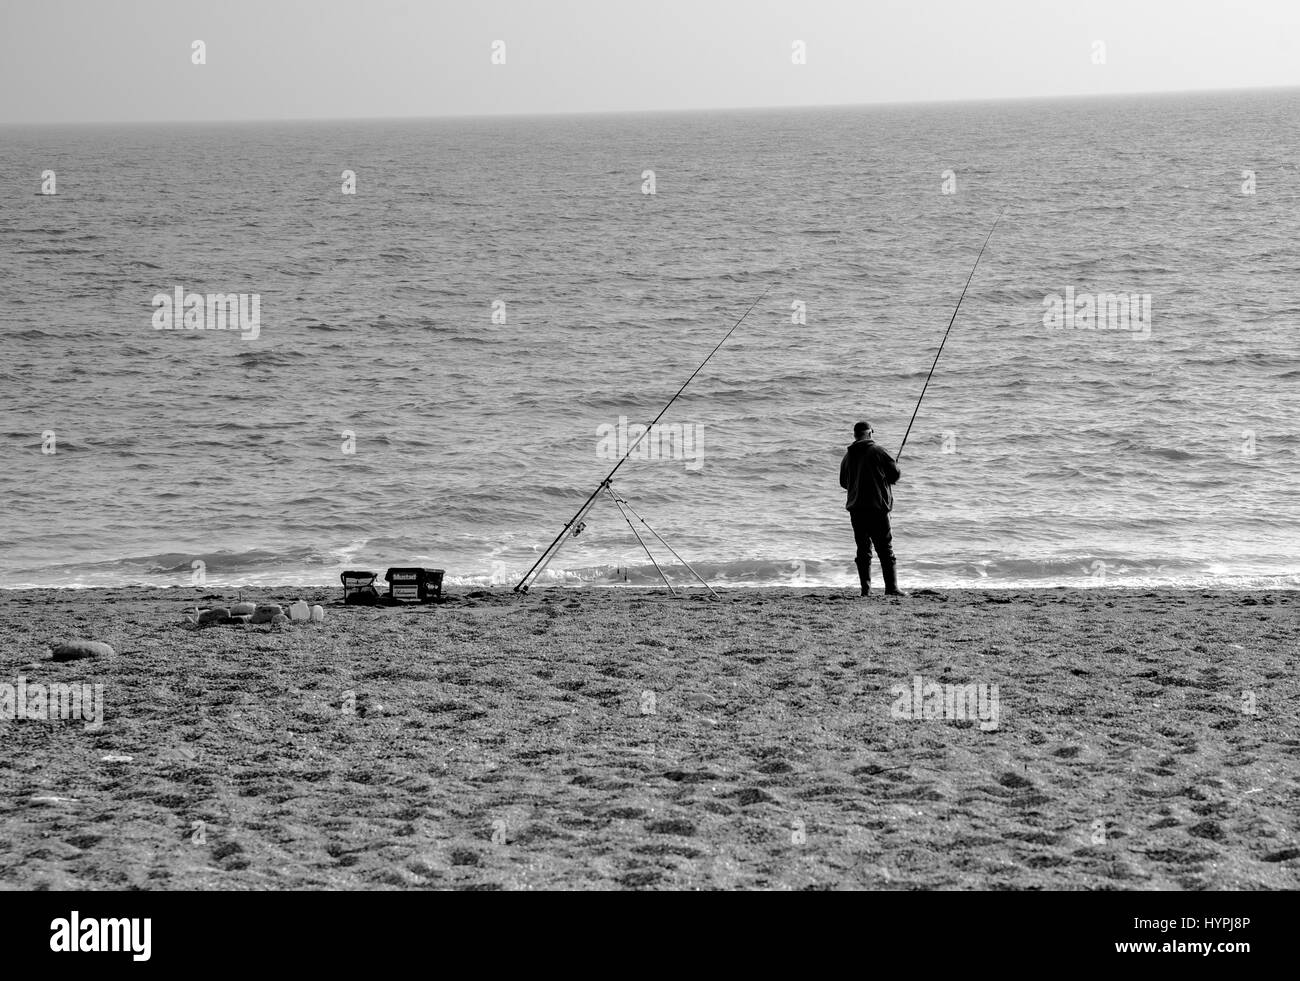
<point>868,473</point>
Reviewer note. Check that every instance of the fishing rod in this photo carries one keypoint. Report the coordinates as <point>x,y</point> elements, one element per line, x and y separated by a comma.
<point>947,332</point>
<point>576,520</point>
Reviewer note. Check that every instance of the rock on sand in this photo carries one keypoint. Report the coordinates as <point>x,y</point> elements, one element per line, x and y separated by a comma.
<point>77,650</point>
<point>266,613</point>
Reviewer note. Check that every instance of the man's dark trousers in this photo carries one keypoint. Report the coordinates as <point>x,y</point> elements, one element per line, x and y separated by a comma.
<point>871,527</point>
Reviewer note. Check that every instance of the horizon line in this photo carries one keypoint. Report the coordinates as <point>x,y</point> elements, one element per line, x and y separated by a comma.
<point>972,100</point>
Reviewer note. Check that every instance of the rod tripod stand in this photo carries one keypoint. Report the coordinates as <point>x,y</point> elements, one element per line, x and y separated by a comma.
<point>575,527</point>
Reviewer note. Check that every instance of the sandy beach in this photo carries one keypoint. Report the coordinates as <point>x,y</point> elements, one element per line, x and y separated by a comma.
<point>609,738</point>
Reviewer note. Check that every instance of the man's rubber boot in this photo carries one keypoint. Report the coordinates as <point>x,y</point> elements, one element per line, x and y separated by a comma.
<point>887,570</point>
<point>864,577</point>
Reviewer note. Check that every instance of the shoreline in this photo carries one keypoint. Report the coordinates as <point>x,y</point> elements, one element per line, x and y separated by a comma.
<point>453,590</point>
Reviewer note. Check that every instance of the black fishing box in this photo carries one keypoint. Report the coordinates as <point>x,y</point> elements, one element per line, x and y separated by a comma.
<point>411,585</point>
<point>359,587</point>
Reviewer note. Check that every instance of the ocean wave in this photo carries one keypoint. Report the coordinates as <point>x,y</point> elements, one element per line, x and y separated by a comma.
<point>1083,572</point>
<point>1169,453</point>
<point>308,566</point>
<point>278,357</point>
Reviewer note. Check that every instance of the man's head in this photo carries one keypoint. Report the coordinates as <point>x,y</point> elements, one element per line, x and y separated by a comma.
<point>862,430</point>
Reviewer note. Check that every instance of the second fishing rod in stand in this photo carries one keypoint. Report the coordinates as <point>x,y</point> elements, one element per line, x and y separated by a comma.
<point>574,526</point>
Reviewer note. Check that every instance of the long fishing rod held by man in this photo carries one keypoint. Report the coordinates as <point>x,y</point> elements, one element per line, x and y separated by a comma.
<point>951,320</point>
<point>868,474</point>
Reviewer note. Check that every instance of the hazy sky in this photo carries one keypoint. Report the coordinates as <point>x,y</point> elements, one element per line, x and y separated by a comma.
<point>107,60</point>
